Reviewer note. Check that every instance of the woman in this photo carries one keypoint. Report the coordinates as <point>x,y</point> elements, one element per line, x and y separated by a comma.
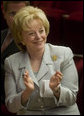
<point>42,78</point>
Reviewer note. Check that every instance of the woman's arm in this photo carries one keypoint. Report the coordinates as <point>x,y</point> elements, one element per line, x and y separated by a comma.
<point>15,101</point>
<point>69,82</point>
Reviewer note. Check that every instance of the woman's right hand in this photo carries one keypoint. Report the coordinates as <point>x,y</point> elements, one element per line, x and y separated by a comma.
<point>28,82</point>
<point>29,88</point>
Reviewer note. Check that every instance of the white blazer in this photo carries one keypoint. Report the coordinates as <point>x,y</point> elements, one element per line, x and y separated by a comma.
<point>42,102</point>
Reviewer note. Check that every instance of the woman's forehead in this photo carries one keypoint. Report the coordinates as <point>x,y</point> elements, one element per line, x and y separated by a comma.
<point>35,23</point>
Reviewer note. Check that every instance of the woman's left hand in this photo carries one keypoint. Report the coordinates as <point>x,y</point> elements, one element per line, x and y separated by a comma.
<point>55,80</point>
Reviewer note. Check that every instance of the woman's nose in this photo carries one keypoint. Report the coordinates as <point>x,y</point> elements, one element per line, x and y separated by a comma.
<point>38,35</point>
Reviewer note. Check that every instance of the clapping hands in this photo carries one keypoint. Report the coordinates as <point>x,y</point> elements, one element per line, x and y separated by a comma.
<point>55,80</point>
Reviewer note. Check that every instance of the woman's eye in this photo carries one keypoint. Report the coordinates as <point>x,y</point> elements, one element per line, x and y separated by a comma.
<point>31,33</point>
<point>41,31</point>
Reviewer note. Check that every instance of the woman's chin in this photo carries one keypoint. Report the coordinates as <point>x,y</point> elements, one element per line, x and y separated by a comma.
<point>40,46</point>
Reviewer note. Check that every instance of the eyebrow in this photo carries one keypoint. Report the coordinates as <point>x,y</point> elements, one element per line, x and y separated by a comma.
<point>33,30</point>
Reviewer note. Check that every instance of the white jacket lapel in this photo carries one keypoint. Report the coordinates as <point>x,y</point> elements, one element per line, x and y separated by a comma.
<point>25,64</point>
<point>44,65</point>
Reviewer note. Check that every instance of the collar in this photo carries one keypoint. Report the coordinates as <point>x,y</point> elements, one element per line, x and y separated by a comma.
<point>46,57</point>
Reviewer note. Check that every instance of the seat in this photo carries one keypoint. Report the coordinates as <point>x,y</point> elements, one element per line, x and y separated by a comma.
<point>79,64</point>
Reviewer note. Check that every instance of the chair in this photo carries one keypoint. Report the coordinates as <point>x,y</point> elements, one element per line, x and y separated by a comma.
<point>79,64</point>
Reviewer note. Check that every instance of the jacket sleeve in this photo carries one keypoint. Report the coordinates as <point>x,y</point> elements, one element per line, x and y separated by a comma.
<point>69,83</point>
<point>13,99</point>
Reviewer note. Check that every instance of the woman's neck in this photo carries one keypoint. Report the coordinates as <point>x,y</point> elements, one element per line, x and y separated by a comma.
<point>37,55</point>
<point>36,59</point>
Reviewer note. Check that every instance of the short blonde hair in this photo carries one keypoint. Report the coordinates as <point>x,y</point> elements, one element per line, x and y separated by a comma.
<point>5,4</point>
<point>22,21</point>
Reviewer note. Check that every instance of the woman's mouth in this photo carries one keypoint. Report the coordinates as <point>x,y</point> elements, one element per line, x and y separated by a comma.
<point>38,42</point>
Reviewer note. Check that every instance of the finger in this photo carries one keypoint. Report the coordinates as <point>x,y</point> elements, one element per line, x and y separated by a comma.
<point>58,72</point>
<point>58,80</point>
<point>59,76</point>
<point>28,79</point>
<point>53,85</point>
<point>26,75</point>
<point>52,78</point>
<point>25,79</point>
<point>27,84</point>
<point>26,72</point>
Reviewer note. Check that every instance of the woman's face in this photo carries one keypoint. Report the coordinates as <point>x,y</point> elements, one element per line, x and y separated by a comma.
<point>35,38</point>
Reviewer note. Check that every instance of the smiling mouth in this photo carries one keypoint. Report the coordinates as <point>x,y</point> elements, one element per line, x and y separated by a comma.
<point>38,42</point>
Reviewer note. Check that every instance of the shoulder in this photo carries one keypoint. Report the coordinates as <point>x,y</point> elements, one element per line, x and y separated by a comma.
<point>13,61</point>
<point>15,57</point>
<point>60,51</point>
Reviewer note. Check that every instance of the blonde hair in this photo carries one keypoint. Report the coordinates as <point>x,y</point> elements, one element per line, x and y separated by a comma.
<point>5,4</point>
<point>22,21</point>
